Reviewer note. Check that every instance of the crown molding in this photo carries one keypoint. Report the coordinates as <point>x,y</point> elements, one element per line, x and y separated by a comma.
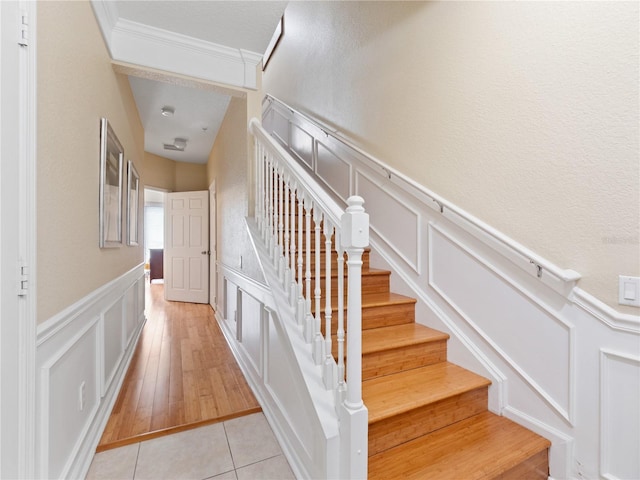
<point>139,44</point>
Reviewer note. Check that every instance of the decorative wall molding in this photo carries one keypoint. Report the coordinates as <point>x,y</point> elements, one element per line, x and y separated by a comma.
<point>603,312</point>
<point>140,44</point>
<point>82,357</point>
<point>566,409</point>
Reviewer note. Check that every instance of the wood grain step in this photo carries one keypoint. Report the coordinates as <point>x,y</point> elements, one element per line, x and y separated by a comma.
<point>412,403</point>
<point>484,446</point>
<point>389,350</point>
<point>378,310</point>
<point>373,281</point>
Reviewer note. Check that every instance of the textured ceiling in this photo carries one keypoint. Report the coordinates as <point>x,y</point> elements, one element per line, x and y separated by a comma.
<point>197,118</point>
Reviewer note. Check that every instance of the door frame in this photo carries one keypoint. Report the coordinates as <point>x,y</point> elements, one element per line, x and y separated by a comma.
<point>213,246</point>
<point>18,240</point>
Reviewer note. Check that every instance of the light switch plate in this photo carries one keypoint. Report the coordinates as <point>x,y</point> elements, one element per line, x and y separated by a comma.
<point>629,291</point>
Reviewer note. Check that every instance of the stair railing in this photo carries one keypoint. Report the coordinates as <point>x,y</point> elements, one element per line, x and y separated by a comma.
<point>292,209</point>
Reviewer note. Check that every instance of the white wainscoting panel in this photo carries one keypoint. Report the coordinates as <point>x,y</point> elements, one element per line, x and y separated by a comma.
<point>302,146</point>
<point>279,126</point>
<point>112,325</point>
<point>62,377</point>
<point>619,415</point>
<point>335,172</point>
<point>82,356</point>
<point>251,334</point>
<point>395,222</point>
<point>273,355</point>
<point>487,301</point>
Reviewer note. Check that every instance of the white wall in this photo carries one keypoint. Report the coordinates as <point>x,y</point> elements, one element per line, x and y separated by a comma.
<point>525,114</point>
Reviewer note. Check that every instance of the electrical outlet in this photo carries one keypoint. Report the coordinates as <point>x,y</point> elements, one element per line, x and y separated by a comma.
<point>81,396</point>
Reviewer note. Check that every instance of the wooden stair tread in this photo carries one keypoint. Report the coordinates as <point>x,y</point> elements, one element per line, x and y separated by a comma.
<point>369,272</point>
<point>372,300</point>
<point>400,392</point>
<point>481,447</point>
<point>386,298</point>
<point>398,336</point>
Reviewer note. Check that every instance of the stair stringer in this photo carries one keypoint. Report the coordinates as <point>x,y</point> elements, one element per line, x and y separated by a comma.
<point>286,381</point>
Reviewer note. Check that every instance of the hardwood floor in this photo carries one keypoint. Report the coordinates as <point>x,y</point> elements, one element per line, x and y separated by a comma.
<point>182,375</point>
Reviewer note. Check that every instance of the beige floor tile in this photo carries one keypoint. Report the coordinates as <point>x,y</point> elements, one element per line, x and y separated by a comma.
<point>119,463</point>
<point>225,476</point>
<point>195,454</point>
<point>251,439</point>
<point>275,468</point>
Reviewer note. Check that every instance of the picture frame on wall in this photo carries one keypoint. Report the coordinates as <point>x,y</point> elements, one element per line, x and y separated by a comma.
<point>110,202</point>
<point>133,203</point>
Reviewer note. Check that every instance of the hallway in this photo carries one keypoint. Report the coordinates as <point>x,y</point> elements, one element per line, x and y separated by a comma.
<point>182,375</point>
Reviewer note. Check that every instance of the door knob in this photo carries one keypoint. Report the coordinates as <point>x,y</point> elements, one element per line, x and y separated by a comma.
<point>204,252</point>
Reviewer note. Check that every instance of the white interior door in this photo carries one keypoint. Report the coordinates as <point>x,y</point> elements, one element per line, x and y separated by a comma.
<point>213,272</point>
<point>186,247</point>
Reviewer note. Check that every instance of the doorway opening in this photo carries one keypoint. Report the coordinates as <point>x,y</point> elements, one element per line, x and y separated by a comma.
<point>154,201</point>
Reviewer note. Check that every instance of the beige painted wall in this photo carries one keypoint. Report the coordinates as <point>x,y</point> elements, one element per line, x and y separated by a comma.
<point>228,166</point>
<point>76,86</point>
<point>525,114</point>
<point>160,172</point>
<point>190,177</point>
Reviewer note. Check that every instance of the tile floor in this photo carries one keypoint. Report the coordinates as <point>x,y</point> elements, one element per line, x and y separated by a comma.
<point>238,449</point>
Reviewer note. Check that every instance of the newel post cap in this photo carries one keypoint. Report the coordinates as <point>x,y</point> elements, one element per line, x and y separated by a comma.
<point>354,224</point>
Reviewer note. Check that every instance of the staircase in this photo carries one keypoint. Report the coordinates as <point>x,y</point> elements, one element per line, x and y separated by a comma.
<point>427,418</point>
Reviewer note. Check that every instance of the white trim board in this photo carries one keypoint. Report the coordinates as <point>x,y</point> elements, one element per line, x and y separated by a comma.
<point>140,44</point>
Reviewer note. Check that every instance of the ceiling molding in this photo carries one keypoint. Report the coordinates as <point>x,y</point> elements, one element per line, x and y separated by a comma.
<point>140,44</point>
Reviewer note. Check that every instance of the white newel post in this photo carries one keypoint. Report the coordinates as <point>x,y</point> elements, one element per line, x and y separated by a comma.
<point>353,414</point>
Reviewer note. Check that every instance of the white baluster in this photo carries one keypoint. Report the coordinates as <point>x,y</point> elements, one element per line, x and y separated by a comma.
<point>293,291</point>
<point>309,320</point>
<point>301,301</point>
<point>272,199</point>
<point>318,344</point>
<point>342,387</point>
<point>279,249</point>
<point>286,241</point>
<point>329,369</point>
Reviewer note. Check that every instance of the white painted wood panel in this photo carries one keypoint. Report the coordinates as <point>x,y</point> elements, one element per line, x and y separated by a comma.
<point>393,220</point>
<point>506,318</point>
<point>301,145</point>
<point>84,343</point>
<point>334,171</point>
<point>619,415</point>
<point>293,404</point>
<point>112,327</point>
